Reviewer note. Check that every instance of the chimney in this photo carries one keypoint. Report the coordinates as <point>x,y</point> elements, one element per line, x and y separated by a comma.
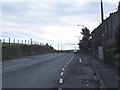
<point>102,17</point>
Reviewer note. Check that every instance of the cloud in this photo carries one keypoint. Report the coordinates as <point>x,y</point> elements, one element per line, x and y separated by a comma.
<point>50,20</point>
<point>74,1</point>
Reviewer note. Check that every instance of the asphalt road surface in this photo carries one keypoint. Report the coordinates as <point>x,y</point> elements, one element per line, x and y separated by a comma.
<point>79,74</point>
<point>39,71</point>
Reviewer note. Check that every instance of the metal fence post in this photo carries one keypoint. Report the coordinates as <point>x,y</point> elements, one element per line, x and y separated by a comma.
<point>3,40</point>
<point>0,41</point>
<point>13,40</point>
<point>22,41</point>
<point>31,41</point>
<point>18,41</point>
<point>25,41</point>
<point>9,40</point>
<point>28,42</point>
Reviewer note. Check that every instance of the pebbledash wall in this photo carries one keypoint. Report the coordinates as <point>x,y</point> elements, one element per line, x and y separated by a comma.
<point>105,36</point>
<point>17,51</point>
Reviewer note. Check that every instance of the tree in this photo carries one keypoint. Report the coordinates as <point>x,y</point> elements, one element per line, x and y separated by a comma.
<point>84,44</point>
<point>86,33</point>
<point>47,44</point>
<point>51,47</point>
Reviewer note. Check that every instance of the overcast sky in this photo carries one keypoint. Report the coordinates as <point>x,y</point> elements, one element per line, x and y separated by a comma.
<point>51,21</point>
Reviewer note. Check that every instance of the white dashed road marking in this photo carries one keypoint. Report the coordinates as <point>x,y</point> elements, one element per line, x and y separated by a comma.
<point>87,85</point>
<point>65,66</point>
<point>61,80</point>
<point>80,60</point>
<point>63,69</point>
<point>61,73</point>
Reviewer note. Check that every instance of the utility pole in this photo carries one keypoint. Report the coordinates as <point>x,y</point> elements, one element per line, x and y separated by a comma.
<point>58,46</point>
<point>102,14</point>
<point>31,41</point>
<point>103,32</point>
<point>61,47</point>
<point>75,47</point>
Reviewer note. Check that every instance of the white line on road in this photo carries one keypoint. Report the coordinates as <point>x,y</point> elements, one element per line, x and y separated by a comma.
<point>95,77</point>
<point>67,63</point>
<point>80,60</point>
<point>61,80</point>
<point>65,66</point>
<point>13,66</point>
<point>87,85</point>
<point>61,73</point>
<point>70,60</point>
<point>63,69</point>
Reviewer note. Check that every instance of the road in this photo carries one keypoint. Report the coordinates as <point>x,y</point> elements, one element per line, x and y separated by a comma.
<point>39,71</point>
<point>80,74</point>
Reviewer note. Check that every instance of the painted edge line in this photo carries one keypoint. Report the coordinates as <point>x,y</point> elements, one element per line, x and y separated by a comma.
<point>99,78</point>
<point>70,60</point>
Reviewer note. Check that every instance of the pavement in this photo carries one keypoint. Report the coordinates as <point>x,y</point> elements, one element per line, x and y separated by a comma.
<point>108,73</point>
<point>89,73</point>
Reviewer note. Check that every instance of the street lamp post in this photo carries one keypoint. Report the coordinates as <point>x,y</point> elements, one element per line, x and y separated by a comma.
<point>58,46</point>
